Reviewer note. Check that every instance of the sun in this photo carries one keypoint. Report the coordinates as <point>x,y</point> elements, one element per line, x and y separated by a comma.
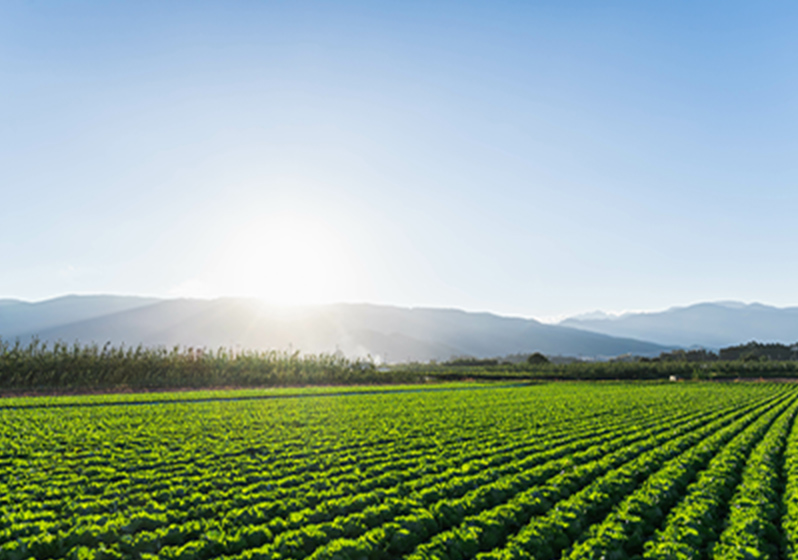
<point>285,260</point>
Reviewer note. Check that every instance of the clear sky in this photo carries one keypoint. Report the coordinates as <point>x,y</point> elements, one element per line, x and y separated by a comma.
<point>527,158</point>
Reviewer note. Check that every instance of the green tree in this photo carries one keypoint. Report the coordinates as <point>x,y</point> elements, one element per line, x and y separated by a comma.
<point>537,358</point>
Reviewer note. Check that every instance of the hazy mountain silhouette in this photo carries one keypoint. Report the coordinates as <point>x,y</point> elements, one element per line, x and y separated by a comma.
<point>21,317</point>
<point>712,325</point>
<point>389,333</point>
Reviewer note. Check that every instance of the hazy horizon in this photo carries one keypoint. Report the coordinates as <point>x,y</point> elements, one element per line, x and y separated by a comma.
<point>590,314</point>
<point>542,161</point>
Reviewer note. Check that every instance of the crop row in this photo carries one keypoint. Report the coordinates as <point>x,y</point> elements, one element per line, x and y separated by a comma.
<point>553,529</point>
<point>87,534</point>
<point>429,519</point>
<point>626,530</point>
<point>297,473</point>
<point>500,472</point>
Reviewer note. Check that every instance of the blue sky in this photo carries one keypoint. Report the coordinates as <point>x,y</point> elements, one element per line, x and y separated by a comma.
<point>534,159</point>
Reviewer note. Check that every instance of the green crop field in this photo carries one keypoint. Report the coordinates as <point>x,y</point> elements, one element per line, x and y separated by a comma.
<point>562,470</point>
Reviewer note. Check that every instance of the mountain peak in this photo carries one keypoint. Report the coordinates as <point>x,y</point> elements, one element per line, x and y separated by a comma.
<point>596,315</point>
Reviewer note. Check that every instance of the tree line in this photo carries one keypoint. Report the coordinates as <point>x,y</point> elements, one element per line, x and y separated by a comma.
<point>749,352</point>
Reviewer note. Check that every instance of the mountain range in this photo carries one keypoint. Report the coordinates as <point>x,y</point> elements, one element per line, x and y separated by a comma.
<point>709,325</point>
<point>390,334</point>
<point>387,333</point>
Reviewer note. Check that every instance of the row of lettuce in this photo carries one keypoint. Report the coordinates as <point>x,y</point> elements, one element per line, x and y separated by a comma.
<point>555,471</point>
<point>42,367</point>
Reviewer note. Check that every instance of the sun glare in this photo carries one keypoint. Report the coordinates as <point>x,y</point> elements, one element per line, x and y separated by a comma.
<point>290,260</point>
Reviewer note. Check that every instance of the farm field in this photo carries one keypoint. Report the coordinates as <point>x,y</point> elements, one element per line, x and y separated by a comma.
<point>548,471</point>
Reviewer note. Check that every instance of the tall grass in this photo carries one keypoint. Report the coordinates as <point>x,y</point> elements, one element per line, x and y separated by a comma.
<point>39,366</point>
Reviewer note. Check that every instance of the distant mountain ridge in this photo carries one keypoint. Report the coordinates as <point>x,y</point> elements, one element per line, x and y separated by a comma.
<point>711,325</point>
<point>20,317</point>
<point>387,333</point>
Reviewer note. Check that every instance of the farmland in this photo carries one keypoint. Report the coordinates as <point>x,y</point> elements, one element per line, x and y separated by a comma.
<point>561,470</point>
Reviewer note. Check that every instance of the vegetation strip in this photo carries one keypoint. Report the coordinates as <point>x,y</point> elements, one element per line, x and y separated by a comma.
<point>53,402</point>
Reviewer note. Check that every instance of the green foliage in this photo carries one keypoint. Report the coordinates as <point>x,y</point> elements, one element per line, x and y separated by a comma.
<point>616,370</point>
<point>559,470</point>
<point>753,351</point>
<point>38,366</point>
<point>537,358</point>
<point>471,362</point>
<point>60,367</point>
